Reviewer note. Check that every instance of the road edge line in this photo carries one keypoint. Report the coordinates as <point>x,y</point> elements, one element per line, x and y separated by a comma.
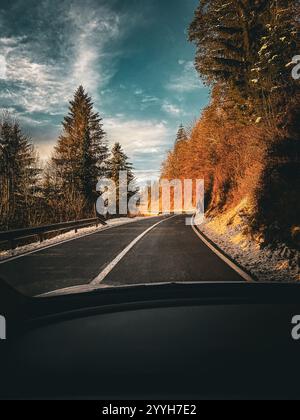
<point>108,269</point>
<point>222,255</point>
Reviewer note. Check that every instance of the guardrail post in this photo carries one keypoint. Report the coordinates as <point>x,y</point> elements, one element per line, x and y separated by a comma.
<point>41,237</point>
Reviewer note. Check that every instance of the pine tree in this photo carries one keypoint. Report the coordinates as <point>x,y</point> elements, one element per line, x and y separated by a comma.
<point>172,167</point>
<point>54,205</point>
<point>271,73</point>
<point>19,175</point>
<point>226,34</point>
<point>80,153</point>
<point>117,163</point>
<point>181,134</point>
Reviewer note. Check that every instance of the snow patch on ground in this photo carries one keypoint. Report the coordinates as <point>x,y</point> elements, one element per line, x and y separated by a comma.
<point>280,264</point>
<point>66,237</point>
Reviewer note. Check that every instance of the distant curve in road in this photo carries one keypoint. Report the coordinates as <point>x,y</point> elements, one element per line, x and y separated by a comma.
<point>170,252</point>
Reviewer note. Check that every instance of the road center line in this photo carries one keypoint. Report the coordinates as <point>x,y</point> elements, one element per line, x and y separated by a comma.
<point>99,279</point>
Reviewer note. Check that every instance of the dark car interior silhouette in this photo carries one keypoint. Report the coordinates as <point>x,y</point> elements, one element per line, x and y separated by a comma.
<point>172,341</point>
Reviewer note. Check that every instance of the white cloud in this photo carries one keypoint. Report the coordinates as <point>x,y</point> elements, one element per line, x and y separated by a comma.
<point>94,29</point>
<point>149,99</point>
<point>144,141</point>
<point>3,67</point>
<point>138,137</point>
<point>171,109</point>
<point>138,92</point>
<point>45,85</point>
<point>188,79</point>
<point>145,99</point>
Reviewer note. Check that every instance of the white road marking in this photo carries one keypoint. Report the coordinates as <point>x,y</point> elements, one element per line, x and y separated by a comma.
<point>99,279</point>
<point>223,257</point>
<point>79,236</point>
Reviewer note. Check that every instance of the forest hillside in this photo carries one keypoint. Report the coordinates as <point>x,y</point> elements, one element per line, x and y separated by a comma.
<point>246,143</point>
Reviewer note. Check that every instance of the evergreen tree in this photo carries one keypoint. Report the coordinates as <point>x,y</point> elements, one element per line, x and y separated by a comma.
<point>80,153</point>
<point>52,195</point>
<point>226,34</point>
<point>19,175</point>
<point>181,134</point>
<point>117,163</point>
<point>245,48</point>
<point>271,73</point>
<point>175,158</point>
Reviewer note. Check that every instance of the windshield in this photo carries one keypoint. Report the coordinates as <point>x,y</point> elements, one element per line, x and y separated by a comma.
<point>148,143</point>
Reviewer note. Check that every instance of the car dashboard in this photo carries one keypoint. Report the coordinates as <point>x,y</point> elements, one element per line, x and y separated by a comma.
<point>185,342</point>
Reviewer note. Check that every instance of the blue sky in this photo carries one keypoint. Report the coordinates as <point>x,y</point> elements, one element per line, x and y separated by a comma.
<point>132,56</point>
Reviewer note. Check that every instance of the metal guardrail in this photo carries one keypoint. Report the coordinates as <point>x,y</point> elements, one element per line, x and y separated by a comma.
<point>12,236</point>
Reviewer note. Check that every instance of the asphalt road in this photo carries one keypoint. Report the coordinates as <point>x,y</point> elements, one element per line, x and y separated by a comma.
<point>170,252</point>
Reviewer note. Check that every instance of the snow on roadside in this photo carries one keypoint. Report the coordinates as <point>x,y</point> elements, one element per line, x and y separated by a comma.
<point>276,265</point>
<point>66,236</point>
